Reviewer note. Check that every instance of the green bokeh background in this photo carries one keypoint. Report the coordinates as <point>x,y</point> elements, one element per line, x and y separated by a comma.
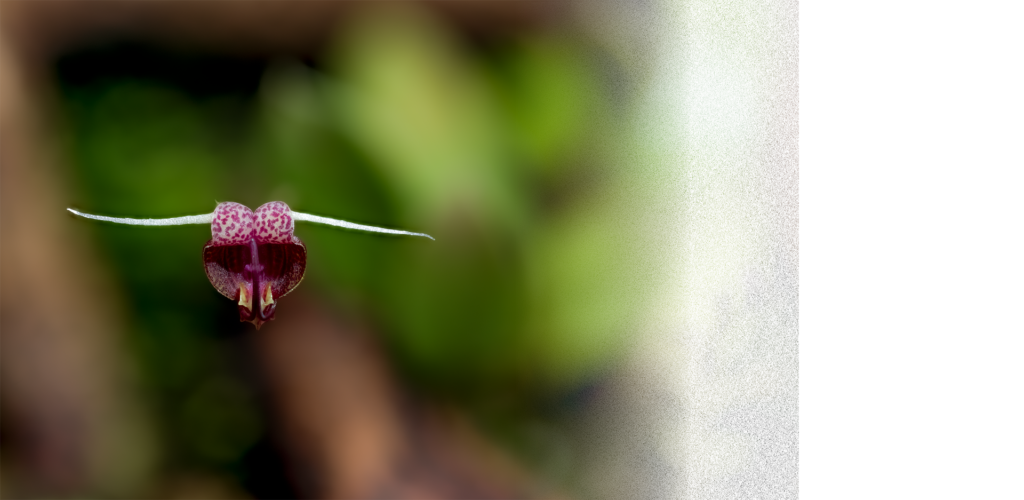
<point>508,154</point>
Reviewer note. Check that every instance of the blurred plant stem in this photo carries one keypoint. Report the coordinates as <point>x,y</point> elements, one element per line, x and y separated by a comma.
<point>69,418</point>
<point>353,431</point>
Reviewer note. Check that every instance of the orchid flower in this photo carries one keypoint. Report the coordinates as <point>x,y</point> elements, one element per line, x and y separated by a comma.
<point>253,257</point>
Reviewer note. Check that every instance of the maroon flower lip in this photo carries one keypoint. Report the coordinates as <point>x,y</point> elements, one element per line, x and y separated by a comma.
<point>254,258</point>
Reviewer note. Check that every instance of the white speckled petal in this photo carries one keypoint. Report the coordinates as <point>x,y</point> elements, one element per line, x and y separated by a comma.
<point>273,223</point>
<point>232,224</point>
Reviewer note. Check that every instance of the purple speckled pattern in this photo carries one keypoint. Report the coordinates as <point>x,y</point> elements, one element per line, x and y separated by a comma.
<point>257,252</point>
<point>273,223</point>
<point>232,224</point>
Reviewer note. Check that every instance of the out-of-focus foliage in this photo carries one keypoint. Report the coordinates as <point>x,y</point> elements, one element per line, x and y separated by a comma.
<point>503,154</point>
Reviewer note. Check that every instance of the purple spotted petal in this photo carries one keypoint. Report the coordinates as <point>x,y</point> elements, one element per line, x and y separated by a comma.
<point>273,223</point>
<point>232,224</point>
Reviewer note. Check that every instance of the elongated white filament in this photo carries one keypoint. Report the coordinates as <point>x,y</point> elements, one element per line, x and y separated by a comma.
<point>351,225</point>
<point>208,218</point>
<point>173,221</point>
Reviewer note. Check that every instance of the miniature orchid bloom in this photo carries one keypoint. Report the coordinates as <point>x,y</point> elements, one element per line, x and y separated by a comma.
<point>254,258</point>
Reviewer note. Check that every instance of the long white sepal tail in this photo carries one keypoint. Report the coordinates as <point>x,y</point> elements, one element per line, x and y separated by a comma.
<point>352,225</point>
<point>173,221</point>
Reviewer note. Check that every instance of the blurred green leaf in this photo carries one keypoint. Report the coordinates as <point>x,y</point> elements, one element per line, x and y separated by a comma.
<point>552,94</point>
<point>418,104</point>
